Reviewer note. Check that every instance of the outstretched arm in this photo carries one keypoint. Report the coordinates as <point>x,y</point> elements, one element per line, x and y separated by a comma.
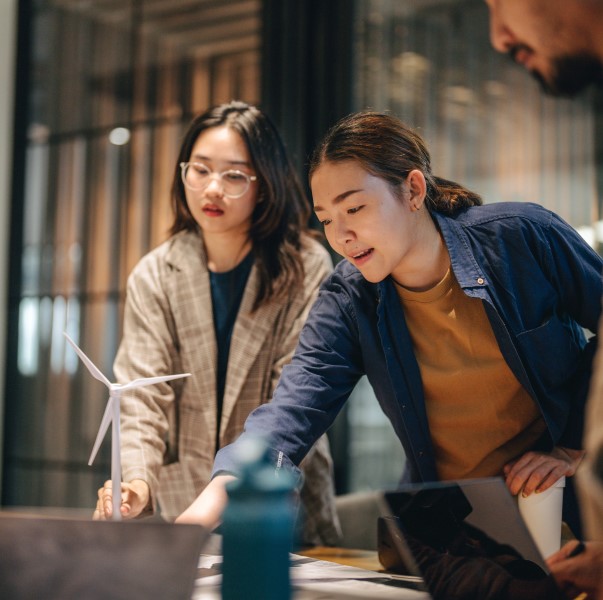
<point>208,507</point>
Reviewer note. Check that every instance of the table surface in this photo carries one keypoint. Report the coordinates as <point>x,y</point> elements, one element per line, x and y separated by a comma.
<point>367,559</point>
<point>362,559</point>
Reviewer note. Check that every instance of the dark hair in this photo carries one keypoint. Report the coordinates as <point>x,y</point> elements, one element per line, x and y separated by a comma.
<point>388,149</point>
<point>282,212</point>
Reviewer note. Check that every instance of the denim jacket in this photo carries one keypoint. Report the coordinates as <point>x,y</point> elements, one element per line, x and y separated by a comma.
<point>541,286</point>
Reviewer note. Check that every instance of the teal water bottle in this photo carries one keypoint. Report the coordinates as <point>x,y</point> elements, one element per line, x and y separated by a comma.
<point>257,528</point>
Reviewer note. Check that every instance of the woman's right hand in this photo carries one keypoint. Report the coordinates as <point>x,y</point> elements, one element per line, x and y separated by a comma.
<point>135,498</point>
<point>538,471</point>
<point>580,573</point>
<point>208,507</point>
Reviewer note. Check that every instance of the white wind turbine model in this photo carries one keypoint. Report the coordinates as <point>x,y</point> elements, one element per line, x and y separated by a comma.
<point>111,416</point>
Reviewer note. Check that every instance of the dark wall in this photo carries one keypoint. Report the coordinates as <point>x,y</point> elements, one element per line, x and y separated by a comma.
<point>307,67</point>
<point>20,124</point>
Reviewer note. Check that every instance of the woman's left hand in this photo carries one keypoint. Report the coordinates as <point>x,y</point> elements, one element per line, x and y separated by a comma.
<point>538,471</point>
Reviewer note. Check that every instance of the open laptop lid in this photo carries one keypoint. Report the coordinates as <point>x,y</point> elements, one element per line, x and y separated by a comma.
<point>466,539</point>
<point>62,558</point>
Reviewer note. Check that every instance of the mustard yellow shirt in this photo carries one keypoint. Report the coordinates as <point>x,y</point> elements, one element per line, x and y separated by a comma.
<point>480,417</point>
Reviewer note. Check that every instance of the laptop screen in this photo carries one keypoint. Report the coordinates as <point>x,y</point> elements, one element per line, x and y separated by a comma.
<point>466,539</point>
<point>62,558</point>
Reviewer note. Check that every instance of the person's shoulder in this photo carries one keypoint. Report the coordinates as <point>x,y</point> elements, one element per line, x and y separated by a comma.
<point>172,252</point>
<point>314,252</point>
<point>346,275</point>
<point>348,288</point>
<point>346,270</point>
<point>504,211</point>
<point>313,247</point>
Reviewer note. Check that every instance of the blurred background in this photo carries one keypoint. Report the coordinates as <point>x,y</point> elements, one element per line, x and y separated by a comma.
<point>95,97</point>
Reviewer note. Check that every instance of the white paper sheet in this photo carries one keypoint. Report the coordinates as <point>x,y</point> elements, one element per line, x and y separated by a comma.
<point>313,579</point>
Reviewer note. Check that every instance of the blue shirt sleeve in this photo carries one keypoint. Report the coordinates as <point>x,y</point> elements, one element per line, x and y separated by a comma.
<point>313,387</point>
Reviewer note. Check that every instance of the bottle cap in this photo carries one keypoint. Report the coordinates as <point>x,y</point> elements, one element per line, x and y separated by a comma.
<point>257,471</point>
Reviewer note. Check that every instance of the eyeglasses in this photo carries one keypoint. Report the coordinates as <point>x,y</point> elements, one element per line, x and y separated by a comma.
<point>196,176</point>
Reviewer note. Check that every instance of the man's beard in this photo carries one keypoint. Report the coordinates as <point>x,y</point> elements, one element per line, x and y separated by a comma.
<point>571,74</point>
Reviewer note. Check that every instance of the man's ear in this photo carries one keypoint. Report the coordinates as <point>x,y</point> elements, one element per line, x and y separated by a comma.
<point>418,188</point>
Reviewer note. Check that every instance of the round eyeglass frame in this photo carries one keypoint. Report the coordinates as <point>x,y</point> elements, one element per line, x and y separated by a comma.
<point>185,165</point>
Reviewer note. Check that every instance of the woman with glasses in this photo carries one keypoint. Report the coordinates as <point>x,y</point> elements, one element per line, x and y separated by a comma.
<point>468,321</point>
<point>223,299</point>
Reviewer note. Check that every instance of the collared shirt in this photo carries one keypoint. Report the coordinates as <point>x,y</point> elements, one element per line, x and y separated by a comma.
<point>541,286</point>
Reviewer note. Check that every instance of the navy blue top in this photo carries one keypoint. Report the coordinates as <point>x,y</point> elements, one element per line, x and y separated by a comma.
<point>226,295</point>
<point>540,284</point>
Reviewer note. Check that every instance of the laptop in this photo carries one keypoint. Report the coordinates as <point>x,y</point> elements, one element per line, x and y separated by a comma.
<point>66,558</point>
<point>465,539</point>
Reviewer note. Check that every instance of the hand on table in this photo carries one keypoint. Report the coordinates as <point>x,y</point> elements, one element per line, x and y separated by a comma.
<point>579,574</point>
<point>538,471</point>
<point>135,497</point>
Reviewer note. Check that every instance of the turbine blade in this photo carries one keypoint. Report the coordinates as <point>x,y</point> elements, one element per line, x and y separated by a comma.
<point>102,430</point>
<point>91,366</point>
<point>141,382</point>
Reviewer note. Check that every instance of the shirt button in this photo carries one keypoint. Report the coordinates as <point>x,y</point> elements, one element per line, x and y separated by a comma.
<point>480,280</point>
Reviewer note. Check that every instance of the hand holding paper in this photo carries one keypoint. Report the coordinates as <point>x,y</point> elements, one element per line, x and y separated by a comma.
<point>111,416</point>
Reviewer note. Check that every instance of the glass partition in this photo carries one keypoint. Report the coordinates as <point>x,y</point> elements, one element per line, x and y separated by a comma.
<point>112,85</point>
<point>487,125</point>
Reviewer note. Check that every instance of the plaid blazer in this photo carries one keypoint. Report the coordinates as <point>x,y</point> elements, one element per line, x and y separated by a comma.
<point>169,430</point>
